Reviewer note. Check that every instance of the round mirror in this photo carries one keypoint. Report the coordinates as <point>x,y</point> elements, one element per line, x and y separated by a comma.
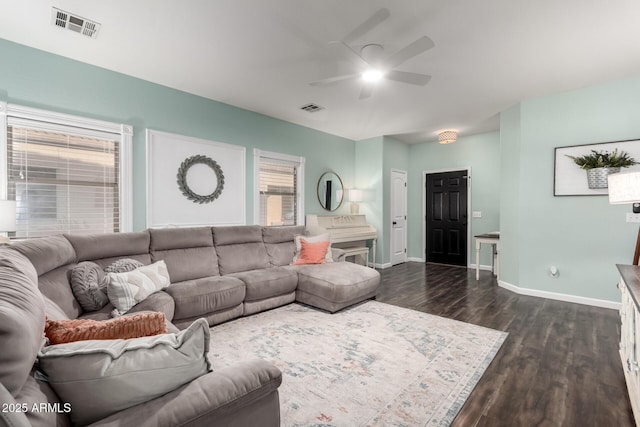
<point>330,191</point>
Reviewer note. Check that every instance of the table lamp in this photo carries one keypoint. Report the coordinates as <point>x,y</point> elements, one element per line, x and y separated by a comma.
<point>624,188</point>
<point>355,197</point>
<point>7,219</point>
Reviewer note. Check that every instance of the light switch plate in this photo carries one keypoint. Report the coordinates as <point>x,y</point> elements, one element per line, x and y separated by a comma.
<point>631,217</point>
<point>476,214</point>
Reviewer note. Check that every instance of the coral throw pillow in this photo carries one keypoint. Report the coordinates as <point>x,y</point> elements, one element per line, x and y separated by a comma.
<point>135,326</point>
<point>312,253</point>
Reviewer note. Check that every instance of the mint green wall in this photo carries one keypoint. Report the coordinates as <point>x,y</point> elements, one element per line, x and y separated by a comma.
<point>369,176</point>
<point>511,197</point>
<point>479,152</point>
<point>584,236</point>
<point>38,79</point>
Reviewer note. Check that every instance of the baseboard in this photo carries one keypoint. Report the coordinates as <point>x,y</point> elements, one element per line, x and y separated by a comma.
<point>380,266</point>
<point>482,267</point>
<point>415,259</point>
<point>560,297</point>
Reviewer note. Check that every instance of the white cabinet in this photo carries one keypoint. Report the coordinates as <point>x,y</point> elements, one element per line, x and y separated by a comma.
<point>630,333</point>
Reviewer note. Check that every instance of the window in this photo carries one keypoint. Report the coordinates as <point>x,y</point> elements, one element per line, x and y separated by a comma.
<point>67,174</point>
<point>279,189</point>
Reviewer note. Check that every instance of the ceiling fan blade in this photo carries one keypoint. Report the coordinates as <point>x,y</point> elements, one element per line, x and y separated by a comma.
<point>419,46</point>
<point>335,79</point>
<point>355,55</point>
<point>367,25</point>
<point>366,91</point>
<point>406,77</point>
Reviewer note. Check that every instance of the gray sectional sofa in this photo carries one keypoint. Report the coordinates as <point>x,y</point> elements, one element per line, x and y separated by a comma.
<point>217,273</point>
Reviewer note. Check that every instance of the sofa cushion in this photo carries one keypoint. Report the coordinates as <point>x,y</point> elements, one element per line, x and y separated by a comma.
<point>268,282</point>
<point>89,285</point>
<point>240,248</point>
<point>279,243</point>
<point>188,252</point>
<point>104,249</point>
<point>53,258</point>
<point>47,253</point>
<point>37,392</point>
<point>55,286</point>
<point>21,318</point>
<point>128,289</point>
<point>207,295</point>
<point>138,325</point>
<point>99,378</point>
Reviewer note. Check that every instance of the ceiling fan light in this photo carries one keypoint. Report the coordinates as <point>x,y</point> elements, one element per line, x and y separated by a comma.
<point>447,137</point>
<point>372,75</point>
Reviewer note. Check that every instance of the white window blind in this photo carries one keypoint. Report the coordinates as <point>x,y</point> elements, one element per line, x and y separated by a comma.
<point>279,190</point>
<point>65,179</point>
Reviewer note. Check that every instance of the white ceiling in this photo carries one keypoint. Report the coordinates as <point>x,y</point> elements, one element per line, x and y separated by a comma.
<point>260,55</point>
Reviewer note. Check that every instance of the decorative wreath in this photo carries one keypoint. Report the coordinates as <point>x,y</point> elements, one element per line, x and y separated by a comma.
<point>182,178</point>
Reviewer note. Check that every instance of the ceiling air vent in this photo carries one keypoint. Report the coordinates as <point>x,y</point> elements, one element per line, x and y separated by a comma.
<point>75,23</point>
<point>311,108</point>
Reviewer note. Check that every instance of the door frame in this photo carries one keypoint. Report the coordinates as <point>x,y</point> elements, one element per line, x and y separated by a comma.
<point>406,213</point>
<point>424,208</point>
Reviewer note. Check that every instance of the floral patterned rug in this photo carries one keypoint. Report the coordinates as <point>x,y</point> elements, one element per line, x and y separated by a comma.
<point>371,365</point>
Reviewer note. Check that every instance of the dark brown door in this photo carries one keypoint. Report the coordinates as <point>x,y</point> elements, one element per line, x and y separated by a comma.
<point>446,221</point>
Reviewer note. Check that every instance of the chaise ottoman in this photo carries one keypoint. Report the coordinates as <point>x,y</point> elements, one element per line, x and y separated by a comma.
<point>336,285</point>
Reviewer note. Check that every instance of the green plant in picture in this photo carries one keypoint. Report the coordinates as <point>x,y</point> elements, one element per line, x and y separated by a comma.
<point>604,159</point>
<point>600,164</point>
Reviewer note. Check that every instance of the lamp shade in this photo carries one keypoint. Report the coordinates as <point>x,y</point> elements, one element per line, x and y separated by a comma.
<point>624,188</point>
<point>355,195</point>
<point>7,215</point>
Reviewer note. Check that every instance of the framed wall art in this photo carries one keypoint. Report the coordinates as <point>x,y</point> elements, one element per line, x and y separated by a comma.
<point>572,180</point>
<point>194,182</point>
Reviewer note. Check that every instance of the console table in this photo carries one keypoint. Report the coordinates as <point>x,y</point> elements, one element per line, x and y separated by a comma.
<point>493,239</point>
<point>630,332</point>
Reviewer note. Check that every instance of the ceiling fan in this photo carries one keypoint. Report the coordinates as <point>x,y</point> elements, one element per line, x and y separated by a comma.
<point>374,66</point>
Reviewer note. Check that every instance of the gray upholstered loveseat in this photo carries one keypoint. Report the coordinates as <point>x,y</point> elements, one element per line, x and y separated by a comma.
<point>217,273</point>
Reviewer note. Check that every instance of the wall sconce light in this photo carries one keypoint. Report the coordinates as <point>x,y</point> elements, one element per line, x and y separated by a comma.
<point>355,197</point>
<point>447,137</point>
<point>7,219</point>
<point>624,188</point>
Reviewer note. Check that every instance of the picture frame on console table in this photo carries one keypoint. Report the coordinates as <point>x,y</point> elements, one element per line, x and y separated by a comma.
<point>221,173</point>
<point>571,180</point>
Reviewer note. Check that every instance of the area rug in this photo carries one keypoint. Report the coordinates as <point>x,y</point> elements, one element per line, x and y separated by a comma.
<point>371,365</point>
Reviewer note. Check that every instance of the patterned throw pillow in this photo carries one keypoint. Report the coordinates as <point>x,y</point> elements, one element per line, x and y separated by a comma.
<point>128,289</point>
<point>312,253</point>
<point>313,239</point>
<point>123,265</point>
<point>87,283</point>
<point>137,325</point>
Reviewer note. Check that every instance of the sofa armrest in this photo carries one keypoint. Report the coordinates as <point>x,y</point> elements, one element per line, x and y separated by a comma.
<point>12,414</point>
<point>245,394</point>
<point>338,254</point>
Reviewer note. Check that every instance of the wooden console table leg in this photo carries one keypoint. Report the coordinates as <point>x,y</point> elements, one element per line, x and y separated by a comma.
<point>478,260</point>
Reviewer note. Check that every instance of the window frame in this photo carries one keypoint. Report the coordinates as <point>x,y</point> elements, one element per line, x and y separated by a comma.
<point>125,178</point>
<point>297,161</point>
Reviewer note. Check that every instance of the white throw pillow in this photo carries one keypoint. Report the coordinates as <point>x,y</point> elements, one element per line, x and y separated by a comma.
<point>127,289</point>
<point>101,377</point>
<point>313,239</point>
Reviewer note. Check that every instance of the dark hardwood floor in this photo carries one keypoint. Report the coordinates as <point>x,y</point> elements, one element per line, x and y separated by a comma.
<point>559,366</point>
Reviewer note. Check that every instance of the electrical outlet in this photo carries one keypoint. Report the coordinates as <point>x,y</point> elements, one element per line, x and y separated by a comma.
<point>476,214</point>
<point>631,217</point>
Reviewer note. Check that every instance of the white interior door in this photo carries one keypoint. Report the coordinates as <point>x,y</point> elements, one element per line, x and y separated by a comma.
<point>398,217</point>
